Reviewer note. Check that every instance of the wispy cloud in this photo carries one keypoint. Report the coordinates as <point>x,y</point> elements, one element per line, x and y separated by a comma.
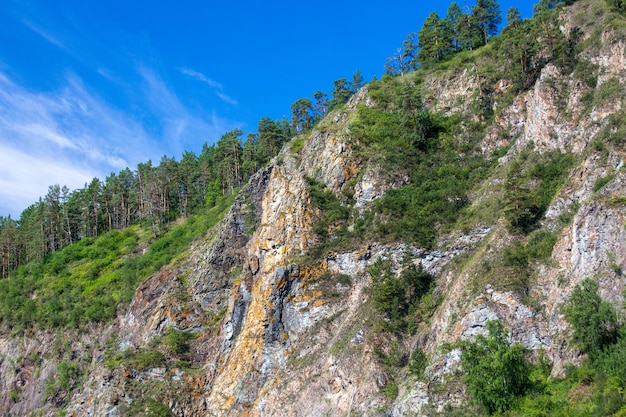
<point>177,123</point>
<point>24,178</point>
<point>200,77</point>
<point>210,82</point>
<point>61,137</point>
<point>46,35</point>
<point>227,99</point>
<point>69,134</point>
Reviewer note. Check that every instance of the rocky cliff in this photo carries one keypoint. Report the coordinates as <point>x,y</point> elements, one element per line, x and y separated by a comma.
<point>276,334</point>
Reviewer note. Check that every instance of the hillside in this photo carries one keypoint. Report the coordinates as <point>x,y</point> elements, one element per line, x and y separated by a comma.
<point>472,208</point>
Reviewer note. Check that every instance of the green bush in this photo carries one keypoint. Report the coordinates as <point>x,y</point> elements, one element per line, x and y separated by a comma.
<point>332,212</point>
<point>179,340</point>
<point>143,360</point>
<point>530,188</point>
<point>417,363</point>
<point>496,372</point>
<point>390,390</point>
<point>593,320</point>
<point>397,297</point>
<point>146,407</point>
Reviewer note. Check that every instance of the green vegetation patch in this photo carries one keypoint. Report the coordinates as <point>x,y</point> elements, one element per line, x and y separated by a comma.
<point>404,300</point>
<point>439,155</point>
<point>496,372</point>
<point>531,187</point>
<point>91,280</point>
<point>503,382</point>
<point>147,407</point>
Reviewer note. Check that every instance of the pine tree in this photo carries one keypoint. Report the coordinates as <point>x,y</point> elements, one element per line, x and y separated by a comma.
<point>341,93</point>
<point>487,17</point>
<point>435,40</point>
<point>357,81</point>
<point>321,104</point>
<point>455,19</point>
<point>513,17</point>
<point>301,117</point>
<point>410,52</point>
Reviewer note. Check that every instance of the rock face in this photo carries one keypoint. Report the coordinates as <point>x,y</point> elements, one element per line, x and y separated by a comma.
<point>274,336</point>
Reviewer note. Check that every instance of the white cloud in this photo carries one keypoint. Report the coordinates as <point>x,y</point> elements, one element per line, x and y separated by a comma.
<point>44,132</point>
<point>210,82</point>
<point>200,77</point>
<point>63,137</point>
<point>179,125</point>
<point>70,135</point>
<point>25,178</point>
<point>227,99</point>
<point>46,35</point>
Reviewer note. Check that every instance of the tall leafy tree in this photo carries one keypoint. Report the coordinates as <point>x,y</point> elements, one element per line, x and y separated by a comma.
<point>321,104</point>
<point>410,51</point>
<point>405,59</point>
<point>126,191</point>
<point>229,150</point>
<point>92,209</point>
<point>9,245</point>
<point>594,321</point>
<point>470,35</point>
<point>32,232</point>
<point>270,136</point>
<point>249,162</point>
<point>207,169</point>
<point>188,175</point>
<point>146,194</point>
<point>52,218</point>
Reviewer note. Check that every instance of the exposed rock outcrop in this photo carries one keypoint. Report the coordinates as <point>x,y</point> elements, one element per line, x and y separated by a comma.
<point>276,336</point>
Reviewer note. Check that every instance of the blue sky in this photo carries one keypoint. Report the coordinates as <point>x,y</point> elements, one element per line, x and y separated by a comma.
<point>91,87</point>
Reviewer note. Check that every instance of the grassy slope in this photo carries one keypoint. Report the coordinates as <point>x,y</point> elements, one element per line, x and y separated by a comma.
<point>93,279</point>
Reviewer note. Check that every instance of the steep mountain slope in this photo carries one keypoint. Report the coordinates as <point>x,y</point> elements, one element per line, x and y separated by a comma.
<point>276,311</point>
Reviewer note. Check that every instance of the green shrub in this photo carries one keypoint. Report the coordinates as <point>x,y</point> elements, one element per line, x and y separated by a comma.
<point>497,373</point>
<point>146,407</point>
<point>602,181</point>
<point>530,188</point>
<point>332,212</point>
<point>390,390</point>
<point>144,360</point>
<point>179,340</point>
<point>397,297</point>
<point>593,320</point>
<point>417,363</point>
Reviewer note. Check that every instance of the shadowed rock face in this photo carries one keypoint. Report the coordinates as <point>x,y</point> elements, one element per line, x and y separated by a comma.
<point>274,336</point>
